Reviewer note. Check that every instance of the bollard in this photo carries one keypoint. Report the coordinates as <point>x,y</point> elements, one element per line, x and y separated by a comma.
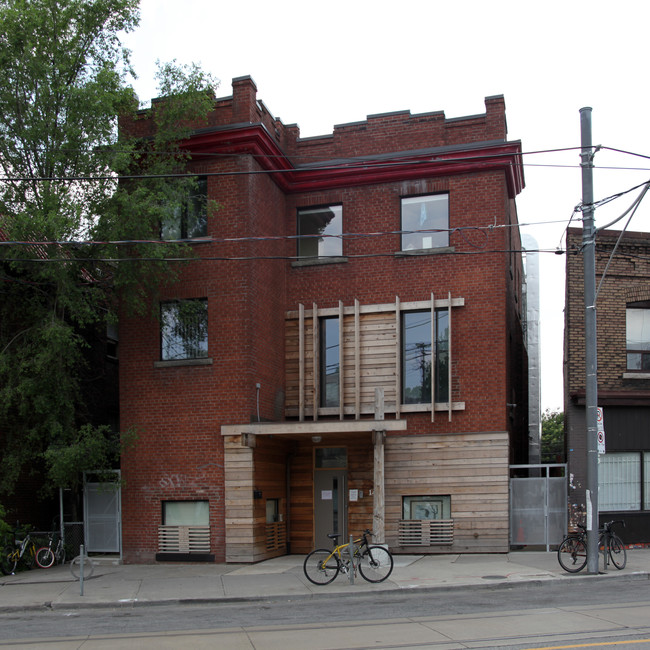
<point>81,570</point>
<point>351,552</point>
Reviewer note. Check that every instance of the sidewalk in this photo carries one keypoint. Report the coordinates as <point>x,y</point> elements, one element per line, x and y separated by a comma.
<point>115,585</point>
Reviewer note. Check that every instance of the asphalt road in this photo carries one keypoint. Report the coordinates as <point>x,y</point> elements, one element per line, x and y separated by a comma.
<point>539,615</point>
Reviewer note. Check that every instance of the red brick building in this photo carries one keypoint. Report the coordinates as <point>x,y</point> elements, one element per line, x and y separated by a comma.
<point>346,352</point>
<point>623,333</point>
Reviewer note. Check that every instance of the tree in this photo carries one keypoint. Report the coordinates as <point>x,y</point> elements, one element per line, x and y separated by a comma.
<point>553,437</point>
<point>63,86</point>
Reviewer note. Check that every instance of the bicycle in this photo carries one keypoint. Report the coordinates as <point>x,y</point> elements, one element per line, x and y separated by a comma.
<point>572,552</point>
<point>21,550</point>
<point>46,557</point>
<point>375,563</point>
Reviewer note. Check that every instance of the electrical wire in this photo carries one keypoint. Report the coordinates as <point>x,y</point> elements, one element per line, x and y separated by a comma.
<point>633,208</point>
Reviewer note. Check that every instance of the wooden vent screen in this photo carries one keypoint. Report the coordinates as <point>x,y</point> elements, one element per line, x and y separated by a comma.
<point>183,539</point>
<point>426,532</point>
<point>276,536</point>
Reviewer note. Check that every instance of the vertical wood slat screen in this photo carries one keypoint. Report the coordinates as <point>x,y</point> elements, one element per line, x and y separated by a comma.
<point>370,351</point>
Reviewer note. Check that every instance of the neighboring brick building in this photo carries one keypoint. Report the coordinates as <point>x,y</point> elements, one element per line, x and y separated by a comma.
<point>623,333</point>
<point>287,390</point>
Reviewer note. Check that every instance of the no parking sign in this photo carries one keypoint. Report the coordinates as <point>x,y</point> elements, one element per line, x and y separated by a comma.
<point>600,427</point>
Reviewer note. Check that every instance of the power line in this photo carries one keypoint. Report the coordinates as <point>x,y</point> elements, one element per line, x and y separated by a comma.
<point>340,163</point>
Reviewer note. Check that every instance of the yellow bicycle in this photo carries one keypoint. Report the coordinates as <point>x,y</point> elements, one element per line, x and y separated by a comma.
<point>375,563</point>
<point>24,550</point>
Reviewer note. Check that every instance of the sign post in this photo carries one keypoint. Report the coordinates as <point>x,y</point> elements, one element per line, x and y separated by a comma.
<point>600,427</point>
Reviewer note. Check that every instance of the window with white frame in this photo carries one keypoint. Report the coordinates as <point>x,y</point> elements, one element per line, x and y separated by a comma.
<point>425,222</point>
<point>417,359</point>
<point>619,481</point>
<point>319,231</point>
<point>637,335</point>
<point>184,329</point>
<point>187,218</point>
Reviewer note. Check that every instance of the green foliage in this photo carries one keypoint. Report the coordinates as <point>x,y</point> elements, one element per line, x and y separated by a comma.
<point>5,528</point>
<point>92,449</point>
<point>63,88</point>
<point>553,437</point>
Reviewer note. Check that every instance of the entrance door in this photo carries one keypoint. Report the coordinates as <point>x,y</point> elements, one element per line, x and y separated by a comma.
<point>102,517</point>
<point>330,506</point>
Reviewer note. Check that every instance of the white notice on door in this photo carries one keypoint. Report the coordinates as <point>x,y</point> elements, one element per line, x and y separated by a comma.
<point>326,495</point>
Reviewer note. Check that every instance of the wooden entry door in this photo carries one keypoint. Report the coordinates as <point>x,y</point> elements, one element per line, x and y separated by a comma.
<point>330,506</point>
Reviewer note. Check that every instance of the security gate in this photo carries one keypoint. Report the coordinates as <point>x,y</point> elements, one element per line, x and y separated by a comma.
<point>102,517</point>
<point>538,504</point>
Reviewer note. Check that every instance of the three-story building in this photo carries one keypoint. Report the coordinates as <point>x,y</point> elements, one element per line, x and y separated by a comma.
<point>346,352</point>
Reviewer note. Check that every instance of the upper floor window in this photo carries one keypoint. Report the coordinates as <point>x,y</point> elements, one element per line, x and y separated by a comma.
<point>188,219</point>
<point>184,329</point>
<point>417,333</point>
<point>319,231</point>
<point>637,329</point>
<point>330,355</point>
<point>425,222</point>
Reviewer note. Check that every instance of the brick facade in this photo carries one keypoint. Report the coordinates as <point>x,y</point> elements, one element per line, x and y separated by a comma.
<point>623,394</point>
<point>251,285</point>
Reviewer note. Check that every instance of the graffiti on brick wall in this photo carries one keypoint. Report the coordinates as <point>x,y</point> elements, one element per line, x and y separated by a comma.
<point>203,476</point>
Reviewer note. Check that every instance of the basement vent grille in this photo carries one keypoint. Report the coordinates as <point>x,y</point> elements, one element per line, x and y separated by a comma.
<point>426,532</point>
<point>183,539</point>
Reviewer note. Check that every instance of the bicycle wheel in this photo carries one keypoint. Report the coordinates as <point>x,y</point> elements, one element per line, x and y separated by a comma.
<point>376,564</point>
<point>44,557</point>
<point>617,552</point>
<point>321,567</point>
<point>9,560</point>
<point>75,567</point>
<point>572,554</point>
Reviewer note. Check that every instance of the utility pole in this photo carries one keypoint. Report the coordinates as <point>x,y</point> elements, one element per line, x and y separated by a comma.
<point>591,355</point>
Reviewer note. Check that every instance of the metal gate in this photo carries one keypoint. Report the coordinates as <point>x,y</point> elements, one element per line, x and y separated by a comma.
<point>538,504</point>
<point>103,517</point>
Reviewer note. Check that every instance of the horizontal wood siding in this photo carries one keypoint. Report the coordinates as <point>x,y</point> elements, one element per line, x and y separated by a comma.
<point>471,468</point>
<point>378,358</point>
<point>239,487</point>
<point>254,475</point>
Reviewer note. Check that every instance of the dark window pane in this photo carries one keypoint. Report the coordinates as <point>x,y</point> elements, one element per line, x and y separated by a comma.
<point>319,232</point>
<point>416,357</point>
<point>184,329</point>
<point>442,355</point>
<point>330,457</point>
<point>330,361</point>
<point>187,218</point>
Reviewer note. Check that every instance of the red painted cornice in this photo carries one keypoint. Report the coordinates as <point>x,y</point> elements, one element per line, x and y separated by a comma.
<point>255,140</point>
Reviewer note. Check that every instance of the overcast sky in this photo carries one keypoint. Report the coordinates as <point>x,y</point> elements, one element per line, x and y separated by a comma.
<point>318,64</point>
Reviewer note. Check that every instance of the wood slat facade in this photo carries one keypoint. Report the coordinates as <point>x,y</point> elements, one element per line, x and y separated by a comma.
<point>471,468</point>
<point>370,358</point>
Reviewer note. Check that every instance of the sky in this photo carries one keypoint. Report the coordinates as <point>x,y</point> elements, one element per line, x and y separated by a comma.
<point>319,64</point>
